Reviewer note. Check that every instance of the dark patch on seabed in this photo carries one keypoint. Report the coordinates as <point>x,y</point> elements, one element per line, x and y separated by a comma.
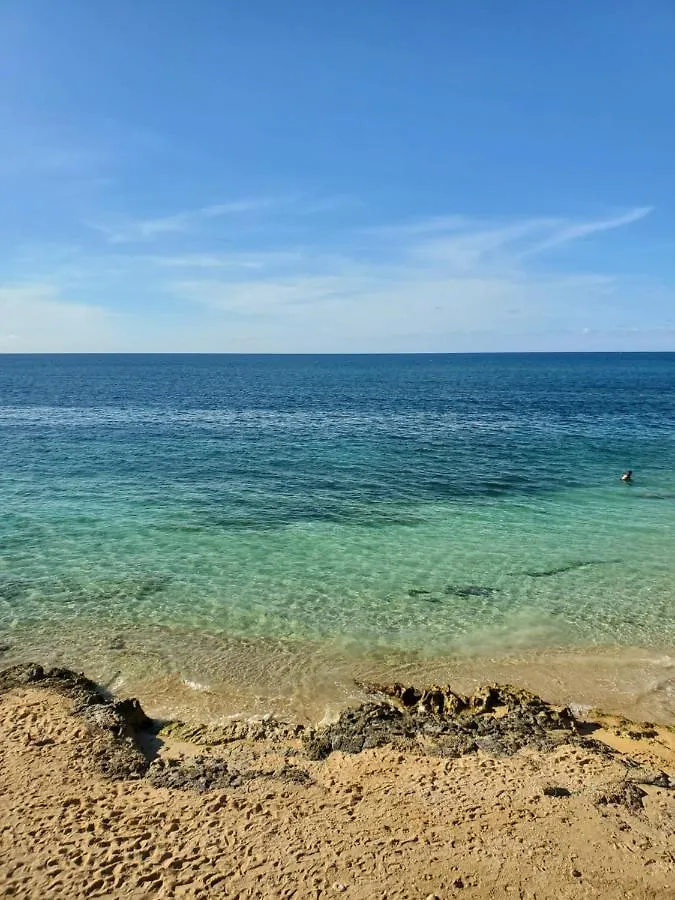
<point>138,587</point>
<point>569,567</point>
<point>456,590</point>
<point>13,588</point>
<point>471,590</point>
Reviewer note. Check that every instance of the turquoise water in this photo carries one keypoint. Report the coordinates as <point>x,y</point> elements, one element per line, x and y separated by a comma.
<point>429,504</point>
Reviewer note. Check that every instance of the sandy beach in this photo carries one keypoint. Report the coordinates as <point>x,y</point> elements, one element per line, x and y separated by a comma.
<point>495,795</point>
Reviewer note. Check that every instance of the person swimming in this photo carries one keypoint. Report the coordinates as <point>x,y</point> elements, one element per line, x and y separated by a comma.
<point>627,476</point>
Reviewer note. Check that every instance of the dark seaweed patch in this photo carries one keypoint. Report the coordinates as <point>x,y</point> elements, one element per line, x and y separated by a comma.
<point>137,587</point>
<point>470,590</point>
<point>13,588</point>
<point>569,567</point>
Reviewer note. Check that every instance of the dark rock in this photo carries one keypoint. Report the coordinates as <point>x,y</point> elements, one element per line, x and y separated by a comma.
<point>266,729</point>
<point>131,712</point>
<point>470,590</point>
<point>114,725</point>
<point>552,790</point>
<point>623,793</point>
<point>294,775</point>
<point>317,746</point>
<point>200,774</point>
<point>655,778</point>
<point>569,567</point>
<point>498,719</point>
<point>362,728</point>
<point>209,773</point>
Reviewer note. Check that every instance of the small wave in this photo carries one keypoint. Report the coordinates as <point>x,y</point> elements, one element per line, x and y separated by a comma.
<point>197,686</point>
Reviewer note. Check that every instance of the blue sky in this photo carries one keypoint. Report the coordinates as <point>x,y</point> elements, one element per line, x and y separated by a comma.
<point>335,177</point>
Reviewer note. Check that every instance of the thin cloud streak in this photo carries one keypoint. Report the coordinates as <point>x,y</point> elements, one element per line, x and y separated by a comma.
<point>567,234</point>
<point>188,220</point>
<point>144,229</point>
<point>450,283</point>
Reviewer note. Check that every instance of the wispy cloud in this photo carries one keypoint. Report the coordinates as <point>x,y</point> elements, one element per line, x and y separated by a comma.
<point>565,232</point>
<point>444,279</point>
<point>145,229</point>
<point>151,228</point>
<point>249,260</point>
<point>444,283</point>
<point>427,225</point>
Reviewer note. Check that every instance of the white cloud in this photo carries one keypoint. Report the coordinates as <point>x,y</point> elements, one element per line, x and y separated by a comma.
<point>565,233</point>
<point>448,283</point>
<point>36,318</point>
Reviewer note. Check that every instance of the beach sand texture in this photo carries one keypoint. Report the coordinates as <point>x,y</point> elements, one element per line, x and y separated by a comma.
<point>389,822</point>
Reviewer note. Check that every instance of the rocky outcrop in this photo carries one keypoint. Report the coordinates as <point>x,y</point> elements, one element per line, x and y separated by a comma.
<point>266,728</point>
<point>208,773</point>
<point>498,719</point>
<point>114,726</point>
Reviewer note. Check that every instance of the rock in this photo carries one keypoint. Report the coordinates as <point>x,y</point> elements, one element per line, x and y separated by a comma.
<point>268,729</point>
<point>498,719</point>
<point>131,712</point>
<point>552,790</point>
<point>485,698</point>
<point>113,725</point>
<point>656,778</point>
<point>621,793</point>
<point>436,700</point>
<point>364,727</point>
<point>208,773</point>
<point>470,590</point>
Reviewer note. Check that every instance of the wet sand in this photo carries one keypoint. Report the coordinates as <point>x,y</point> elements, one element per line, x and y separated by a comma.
<point>204,677</point>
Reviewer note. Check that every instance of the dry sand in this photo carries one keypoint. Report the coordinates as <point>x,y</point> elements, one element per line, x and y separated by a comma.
<point>379,824</point>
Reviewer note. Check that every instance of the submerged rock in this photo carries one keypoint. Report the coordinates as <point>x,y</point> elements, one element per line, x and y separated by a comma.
<point>569,567</point>
<point>471,590</point>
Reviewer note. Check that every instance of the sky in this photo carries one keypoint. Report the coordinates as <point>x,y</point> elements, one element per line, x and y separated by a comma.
<point>306,176</point>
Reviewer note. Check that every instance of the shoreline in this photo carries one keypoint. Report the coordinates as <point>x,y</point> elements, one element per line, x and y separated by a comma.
<point>411,793</point>
<point>207,678</point>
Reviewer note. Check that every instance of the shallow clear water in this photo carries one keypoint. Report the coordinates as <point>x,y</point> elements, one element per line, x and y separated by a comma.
<point>420,504</point>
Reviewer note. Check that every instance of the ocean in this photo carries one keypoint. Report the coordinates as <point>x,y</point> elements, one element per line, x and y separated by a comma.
<point>243,524</point>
